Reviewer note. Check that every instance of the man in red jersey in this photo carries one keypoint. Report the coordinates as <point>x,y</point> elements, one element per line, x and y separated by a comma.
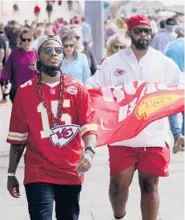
<point>50,115</point>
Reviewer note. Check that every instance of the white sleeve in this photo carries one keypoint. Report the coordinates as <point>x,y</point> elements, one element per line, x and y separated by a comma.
<point>173,73</point>
<point>99,79</point>
<point>92,81</point>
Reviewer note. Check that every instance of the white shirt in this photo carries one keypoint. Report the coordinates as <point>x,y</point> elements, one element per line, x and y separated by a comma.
<point>153,67</point>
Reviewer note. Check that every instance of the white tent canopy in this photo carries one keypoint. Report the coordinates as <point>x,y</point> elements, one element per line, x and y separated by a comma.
<point>166,14</point>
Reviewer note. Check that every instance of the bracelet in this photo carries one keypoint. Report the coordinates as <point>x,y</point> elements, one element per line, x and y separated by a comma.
<point>92,149</point>
<point>11,174</point>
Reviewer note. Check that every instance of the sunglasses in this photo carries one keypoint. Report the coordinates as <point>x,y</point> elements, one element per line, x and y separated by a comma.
<point>26,39</point>
<point>49,50</point>
<point>68,45</point>
<point>116,47</point>
<point>139,31</point>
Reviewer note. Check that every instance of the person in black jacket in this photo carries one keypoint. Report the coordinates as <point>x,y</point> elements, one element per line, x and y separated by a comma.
<point>91,58</point>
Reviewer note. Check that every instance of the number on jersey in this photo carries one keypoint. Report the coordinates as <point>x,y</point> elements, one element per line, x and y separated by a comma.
<point>66,118</point>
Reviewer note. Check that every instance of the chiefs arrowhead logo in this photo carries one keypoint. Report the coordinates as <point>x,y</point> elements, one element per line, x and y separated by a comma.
<point>119,72</point>
<point>63,134</point>
<point>153,104</point>
<point>72,90</point>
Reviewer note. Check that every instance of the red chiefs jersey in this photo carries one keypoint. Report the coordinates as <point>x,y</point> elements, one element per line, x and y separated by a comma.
<point>52,153</point>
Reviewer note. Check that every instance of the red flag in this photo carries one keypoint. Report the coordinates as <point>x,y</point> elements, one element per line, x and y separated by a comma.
<point>123,112</point>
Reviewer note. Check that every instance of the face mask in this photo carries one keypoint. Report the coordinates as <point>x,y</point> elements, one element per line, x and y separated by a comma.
<point>141,44</point>
<point>51,71</point>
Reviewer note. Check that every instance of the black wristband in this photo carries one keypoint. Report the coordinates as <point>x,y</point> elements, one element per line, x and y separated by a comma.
<point>90,149</point>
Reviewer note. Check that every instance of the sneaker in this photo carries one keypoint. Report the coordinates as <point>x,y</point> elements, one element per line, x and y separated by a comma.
<point>179,143</point>
<point>124,218</point>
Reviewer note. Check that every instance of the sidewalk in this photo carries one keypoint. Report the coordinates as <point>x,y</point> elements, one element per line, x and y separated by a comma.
<point>94,199</point>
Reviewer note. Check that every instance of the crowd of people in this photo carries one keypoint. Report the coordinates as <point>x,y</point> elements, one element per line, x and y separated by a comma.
<point>36,55</point>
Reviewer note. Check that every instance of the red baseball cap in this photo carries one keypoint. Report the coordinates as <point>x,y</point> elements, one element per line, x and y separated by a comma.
<point>137,20</point>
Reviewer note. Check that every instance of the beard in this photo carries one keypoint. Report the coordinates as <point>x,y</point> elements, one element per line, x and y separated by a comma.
<point>51,71</point>
<point>141,44</point>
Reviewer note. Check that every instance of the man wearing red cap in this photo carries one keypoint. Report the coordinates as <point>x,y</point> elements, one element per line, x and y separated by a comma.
<point>140,25</point>
<point>148,152</point>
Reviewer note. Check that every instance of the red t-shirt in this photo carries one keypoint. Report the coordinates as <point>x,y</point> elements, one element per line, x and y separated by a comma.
<point>45,160</point>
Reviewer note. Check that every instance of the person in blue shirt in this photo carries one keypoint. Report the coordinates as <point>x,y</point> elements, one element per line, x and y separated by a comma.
<point>161,39</point>
<point>74,63</point>
<point>83,47</point>
<point>175,50</point>
<point>86,32</point>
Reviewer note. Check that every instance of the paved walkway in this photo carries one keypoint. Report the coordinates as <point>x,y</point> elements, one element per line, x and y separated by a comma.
<point>94,199</point>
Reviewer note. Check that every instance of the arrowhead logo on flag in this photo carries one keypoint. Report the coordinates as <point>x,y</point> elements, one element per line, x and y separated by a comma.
<point>151,105</point>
